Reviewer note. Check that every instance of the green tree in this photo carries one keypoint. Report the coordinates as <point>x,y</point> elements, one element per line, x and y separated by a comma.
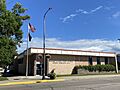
<point>10,31</point>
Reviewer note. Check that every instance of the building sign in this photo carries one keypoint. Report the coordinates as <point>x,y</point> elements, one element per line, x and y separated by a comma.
<point>61,62</point>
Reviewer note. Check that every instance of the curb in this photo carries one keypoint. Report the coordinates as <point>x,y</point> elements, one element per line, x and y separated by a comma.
<point>30,82</point>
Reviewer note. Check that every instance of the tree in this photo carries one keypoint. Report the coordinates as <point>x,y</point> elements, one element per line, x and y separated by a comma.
<point>10,31</point>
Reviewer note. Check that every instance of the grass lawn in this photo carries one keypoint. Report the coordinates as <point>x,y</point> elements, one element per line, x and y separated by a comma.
<point>3,78</point>
<point>86,74</point>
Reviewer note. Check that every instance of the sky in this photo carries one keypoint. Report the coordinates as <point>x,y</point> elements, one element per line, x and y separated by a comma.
<point>92,25</point>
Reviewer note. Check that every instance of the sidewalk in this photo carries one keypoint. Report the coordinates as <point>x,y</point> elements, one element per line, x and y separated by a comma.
<point>20,80</point>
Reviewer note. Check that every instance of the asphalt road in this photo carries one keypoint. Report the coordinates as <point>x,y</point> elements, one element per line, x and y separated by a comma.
<point>100,83</point>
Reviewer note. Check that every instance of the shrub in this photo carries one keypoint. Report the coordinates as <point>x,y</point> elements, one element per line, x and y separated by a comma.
<point>91,68</point>
<point>74,71</point>
<point>110,68</point>
<point>52,75</point>
<point>99,68</point>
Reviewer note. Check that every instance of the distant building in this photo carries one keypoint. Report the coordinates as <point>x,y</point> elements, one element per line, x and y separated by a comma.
<point>62,60</point>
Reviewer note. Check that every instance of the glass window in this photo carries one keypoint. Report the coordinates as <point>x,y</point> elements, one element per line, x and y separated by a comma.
<point>106,60</point>
<point>90,60</point>
<point>98,60</point>
<point>20,61</point>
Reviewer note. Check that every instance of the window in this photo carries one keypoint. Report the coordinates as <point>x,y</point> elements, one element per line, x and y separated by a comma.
<point>106,60</point>
<point>20,61</point>
<point>90,60</point>
<point>98,60</point>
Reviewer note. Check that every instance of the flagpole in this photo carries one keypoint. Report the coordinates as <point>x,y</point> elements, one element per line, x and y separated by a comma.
<point>27,53</point>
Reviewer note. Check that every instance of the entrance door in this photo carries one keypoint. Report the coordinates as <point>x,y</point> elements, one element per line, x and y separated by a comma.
<point>39,69</point>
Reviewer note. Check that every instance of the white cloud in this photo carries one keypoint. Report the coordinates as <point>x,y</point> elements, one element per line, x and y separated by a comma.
<point>82,11</point>
<point>88,12</point>
<point>116,15</point>
<point>69,17</point>
<point>83,44</point>
<point>108,8</point>
<point>96,9</point>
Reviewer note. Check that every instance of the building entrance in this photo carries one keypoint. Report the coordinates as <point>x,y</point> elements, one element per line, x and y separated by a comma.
<point>39,69</point>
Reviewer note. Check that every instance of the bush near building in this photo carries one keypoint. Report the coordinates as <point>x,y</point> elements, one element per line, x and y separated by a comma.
<point>99,68</point>
<point>52,74</point>
<point>3,78</point>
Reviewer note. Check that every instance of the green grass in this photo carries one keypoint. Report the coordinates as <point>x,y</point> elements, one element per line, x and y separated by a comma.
<point>3,78</point>
<point>86,74</point>
<point>72,75</point>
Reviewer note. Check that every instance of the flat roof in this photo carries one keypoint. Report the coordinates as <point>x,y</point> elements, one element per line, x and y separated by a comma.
<point>33,50</point>
<point>72,50</point>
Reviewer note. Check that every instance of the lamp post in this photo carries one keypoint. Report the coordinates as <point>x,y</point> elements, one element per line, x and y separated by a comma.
<point>44,35</point>
<point>116,60</point>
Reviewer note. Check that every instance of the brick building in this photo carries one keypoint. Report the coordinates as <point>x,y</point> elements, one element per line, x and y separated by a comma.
<point>62,60</point>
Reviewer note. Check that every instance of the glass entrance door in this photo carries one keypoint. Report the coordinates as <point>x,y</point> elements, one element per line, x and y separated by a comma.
<point>39,69</point>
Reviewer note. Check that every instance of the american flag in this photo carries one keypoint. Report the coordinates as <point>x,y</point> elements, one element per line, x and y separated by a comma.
<point>31,27</point>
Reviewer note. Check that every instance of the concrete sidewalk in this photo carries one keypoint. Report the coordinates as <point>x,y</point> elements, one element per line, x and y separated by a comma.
<point>26,78</point>
<point>20,80</point>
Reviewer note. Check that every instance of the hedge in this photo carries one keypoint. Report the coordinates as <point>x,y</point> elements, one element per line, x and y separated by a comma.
<point>99,68</point>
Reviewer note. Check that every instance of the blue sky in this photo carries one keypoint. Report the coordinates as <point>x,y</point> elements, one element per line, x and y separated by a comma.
<point>74,24</point>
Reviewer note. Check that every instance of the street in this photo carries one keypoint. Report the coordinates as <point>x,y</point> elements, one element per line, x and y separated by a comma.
<point>100,83</point>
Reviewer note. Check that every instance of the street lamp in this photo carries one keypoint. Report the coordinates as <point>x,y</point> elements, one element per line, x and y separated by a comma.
<point>44,34</point>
